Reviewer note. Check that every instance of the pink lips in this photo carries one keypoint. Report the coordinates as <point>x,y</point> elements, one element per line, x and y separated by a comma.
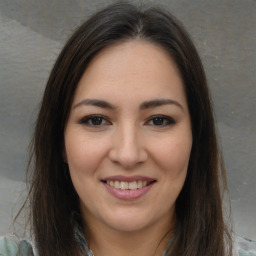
<point>126,194</point>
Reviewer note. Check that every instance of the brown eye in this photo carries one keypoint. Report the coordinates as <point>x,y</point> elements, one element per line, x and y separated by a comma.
<point>160,121</point>
<point>95,120</point>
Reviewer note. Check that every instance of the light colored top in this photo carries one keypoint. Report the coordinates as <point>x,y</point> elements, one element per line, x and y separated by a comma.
<point>11,246</point>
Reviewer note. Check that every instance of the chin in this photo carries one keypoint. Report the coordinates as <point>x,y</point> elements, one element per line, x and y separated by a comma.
<point>129,222</point>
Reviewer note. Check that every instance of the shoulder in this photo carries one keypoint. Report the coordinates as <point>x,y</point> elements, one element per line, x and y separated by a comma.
<point>244,247</point>
<point>11,246</point>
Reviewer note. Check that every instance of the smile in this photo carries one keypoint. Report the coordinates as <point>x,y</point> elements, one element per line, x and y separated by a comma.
<point>133,185</point>
<point>128,188</point>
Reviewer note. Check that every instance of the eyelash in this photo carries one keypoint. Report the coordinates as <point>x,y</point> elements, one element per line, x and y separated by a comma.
<point>89,119</point>
<point>164,121</point>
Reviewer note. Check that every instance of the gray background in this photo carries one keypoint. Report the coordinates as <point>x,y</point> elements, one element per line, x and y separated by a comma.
<point>32,33</point>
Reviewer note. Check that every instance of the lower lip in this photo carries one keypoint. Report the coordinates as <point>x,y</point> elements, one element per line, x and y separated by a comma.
<point>126,194</point>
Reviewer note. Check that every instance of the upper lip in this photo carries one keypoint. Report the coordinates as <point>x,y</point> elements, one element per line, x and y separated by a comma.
<point>128,178</point>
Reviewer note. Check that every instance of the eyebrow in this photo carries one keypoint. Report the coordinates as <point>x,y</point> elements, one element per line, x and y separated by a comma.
<point>143,105</point>
<point>95,102</point>
<point>160,102</point>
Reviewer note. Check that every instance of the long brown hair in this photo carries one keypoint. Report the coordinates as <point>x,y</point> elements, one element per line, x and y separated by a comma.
<point>53,200</point>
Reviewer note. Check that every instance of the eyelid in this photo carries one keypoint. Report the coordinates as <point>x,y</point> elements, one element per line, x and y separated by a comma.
<point>85,120</point>
<point>90,117</point>
<point>171,120</point>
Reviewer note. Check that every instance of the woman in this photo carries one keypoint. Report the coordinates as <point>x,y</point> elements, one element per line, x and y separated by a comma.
<point>124,156</point>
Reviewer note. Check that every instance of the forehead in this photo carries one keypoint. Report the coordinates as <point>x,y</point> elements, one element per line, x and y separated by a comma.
<point>128,69</point>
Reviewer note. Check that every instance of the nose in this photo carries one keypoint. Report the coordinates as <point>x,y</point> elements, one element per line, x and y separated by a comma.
<point>127,148</point>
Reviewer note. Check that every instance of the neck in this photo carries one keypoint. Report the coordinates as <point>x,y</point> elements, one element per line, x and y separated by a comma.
<point>149,241</point>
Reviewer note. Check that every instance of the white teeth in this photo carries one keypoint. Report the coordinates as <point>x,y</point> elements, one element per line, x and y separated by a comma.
<point>133,185</point>
<point>116,184</point>
<point>124,185</point>
<point>144,183</point>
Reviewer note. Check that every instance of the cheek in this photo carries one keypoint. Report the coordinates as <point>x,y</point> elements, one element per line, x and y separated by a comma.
<point>173,158</point>
<point>83,154</point>
<point>173,154</point>
<point>84,157</point>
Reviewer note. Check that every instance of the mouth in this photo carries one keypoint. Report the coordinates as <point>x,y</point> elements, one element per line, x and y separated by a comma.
<point>128,185</point>
<point>128,188</point>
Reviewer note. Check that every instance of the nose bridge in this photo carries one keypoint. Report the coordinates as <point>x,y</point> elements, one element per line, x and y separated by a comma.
<point>127,148</point>
<point>129,142</point>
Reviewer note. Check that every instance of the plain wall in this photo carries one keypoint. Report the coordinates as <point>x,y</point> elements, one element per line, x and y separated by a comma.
<point>32,33</point>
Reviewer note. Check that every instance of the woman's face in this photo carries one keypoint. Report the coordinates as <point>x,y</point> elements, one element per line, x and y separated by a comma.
<point>128,137</point>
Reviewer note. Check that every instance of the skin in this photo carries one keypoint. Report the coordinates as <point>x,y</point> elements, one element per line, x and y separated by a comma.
<point>127,140</point>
